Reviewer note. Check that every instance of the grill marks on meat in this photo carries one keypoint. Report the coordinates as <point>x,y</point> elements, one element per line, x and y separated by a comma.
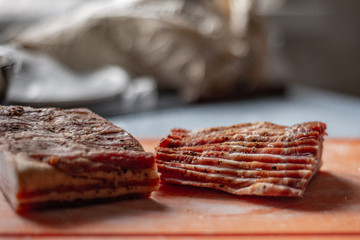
<point>80,144</point>
<point>245,159</point>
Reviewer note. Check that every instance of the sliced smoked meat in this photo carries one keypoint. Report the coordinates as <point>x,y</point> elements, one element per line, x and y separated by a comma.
<point>259,158</point>
<point>50,156</point>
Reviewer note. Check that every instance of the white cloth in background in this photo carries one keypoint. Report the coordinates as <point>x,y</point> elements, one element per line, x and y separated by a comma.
<point>200,48</point>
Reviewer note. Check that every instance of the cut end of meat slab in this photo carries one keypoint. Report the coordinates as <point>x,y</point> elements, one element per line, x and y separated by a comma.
<point>259,158</point>
<point>56,157</point>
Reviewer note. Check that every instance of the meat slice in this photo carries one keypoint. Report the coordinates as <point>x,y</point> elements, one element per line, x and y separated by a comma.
<point>259,158</point>
<point>50,156</point>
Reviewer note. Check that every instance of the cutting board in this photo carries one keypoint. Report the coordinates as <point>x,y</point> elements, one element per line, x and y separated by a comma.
<point>330,209</point>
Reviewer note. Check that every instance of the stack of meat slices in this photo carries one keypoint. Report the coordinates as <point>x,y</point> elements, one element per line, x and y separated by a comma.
<point>245,159</point>
<point>50,156</point>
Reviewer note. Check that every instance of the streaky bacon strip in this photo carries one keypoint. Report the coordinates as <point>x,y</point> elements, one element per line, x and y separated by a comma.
<point>150,183</point>
<point>239,157</point>
<point>259,158</point>
<point>125,159</point>
<point>265,127</point>
<point>110,160</point>
<point>240,172</point>
<point>255,189</point>
<point>168,142</point>
<point>232,182</point>
<point>240,165</point>
<point>225,146</point>
<point>298,151</point>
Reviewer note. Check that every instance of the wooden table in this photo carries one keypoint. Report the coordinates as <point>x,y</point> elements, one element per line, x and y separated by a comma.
<point>330,209</point>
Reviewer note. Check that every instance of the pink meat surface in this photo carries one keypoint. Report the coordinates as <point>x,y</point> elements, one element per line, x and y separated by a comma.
<point>259,158</point>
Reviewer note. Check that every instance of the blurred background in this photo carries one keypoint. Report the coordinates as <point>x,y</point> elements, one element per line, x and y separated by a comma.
<point>149,66</point>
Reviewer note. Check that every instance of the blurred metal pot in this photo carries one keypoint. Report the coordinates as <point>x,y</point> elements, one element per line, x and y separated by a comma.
<point>6,72</point>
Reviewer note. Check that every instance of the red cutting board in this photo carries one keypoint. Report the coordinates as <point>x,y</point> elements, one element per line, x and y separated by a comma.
<point>330,209</point>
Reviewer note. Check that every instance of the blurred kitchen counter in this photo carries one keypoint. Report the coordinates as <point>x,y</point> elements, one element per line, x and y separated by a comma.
<point>296,104</point>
